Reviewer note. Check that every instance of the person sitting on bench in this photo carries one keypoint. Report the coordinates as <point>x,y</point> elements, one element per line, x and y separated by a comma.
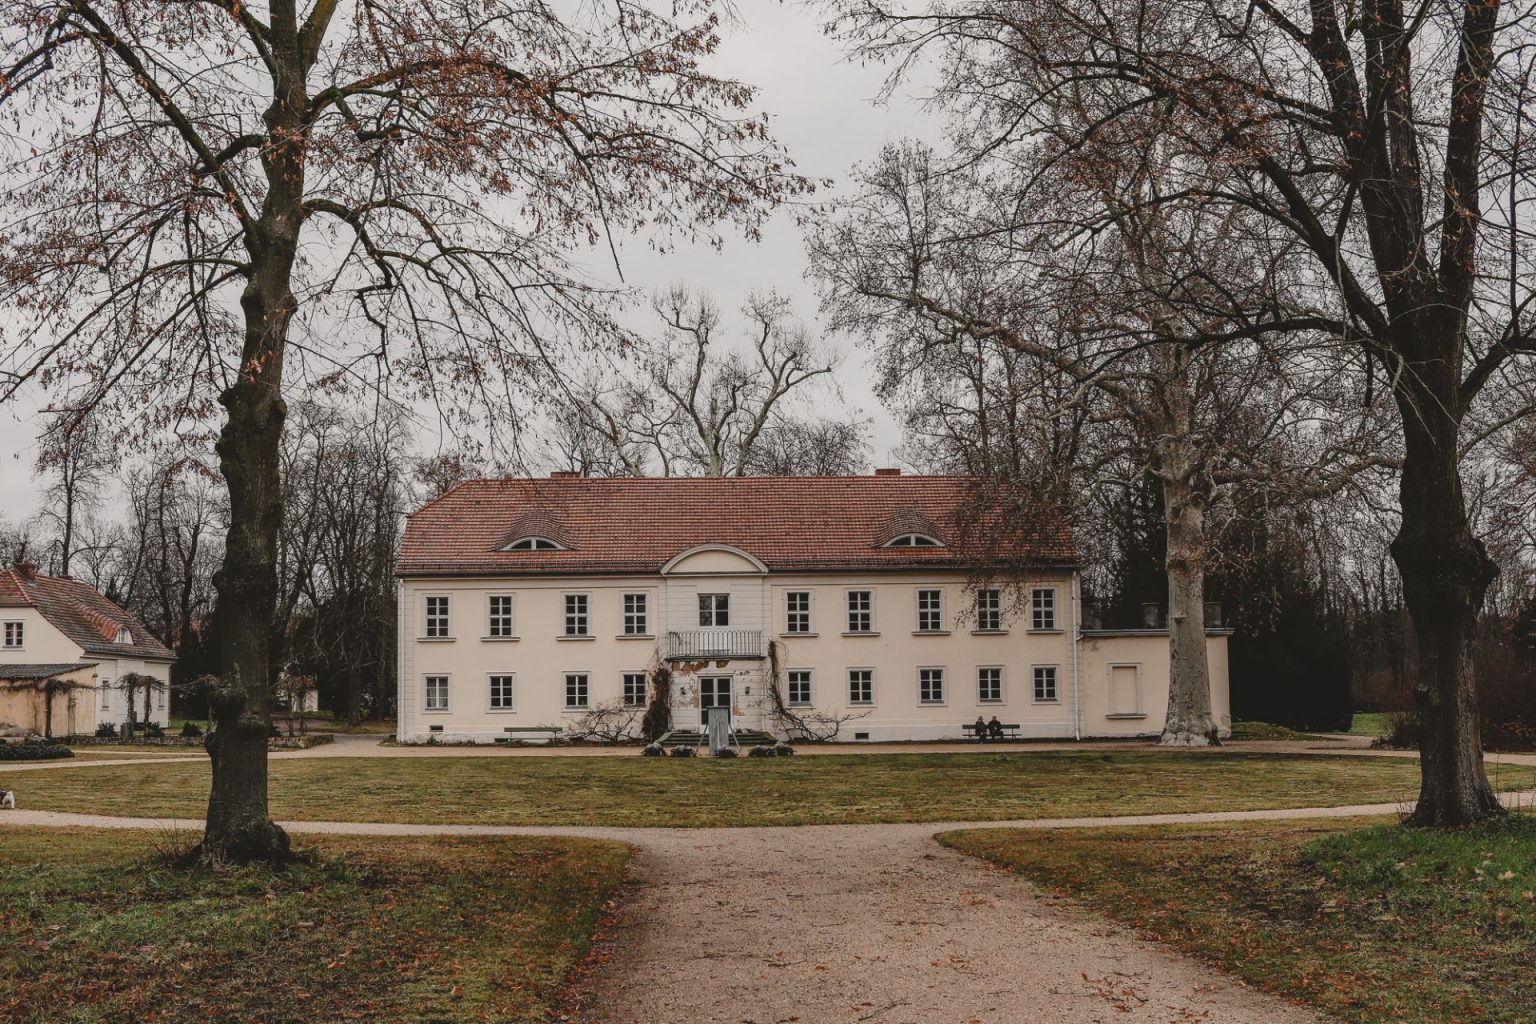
<point>981,729</point>
<point>994,728</point>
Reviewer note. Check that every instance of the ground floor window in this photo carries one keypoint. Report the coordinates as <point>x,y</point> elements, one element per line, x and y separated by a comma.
<point>989,685</point>
<point>861,686</point>
<point>634,689</point>
<point>1045,683</point>
<point>930,686</point>
<point>501,693</point>
<point>575,689</point>
<point>800,686</point>
<point>106,694</point>
<point>437,693</point>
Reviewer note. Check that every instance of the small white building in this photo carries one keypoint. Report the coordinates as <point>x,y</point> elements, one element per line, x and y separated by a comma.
<point>528,604</point>
<point>64,651</point>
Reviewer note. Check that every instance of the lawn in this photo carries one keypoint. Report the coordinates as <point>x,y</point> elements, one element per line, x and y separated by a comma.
<point>779,791</point>
<point>1371,924</point>
<point>1370,723</point>
<point>99,929</point>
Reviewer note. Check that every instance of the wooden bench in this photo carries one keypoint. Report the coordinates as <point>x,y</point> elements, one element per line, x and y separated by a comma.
<point>547,733</point>
<point>1010,732</point>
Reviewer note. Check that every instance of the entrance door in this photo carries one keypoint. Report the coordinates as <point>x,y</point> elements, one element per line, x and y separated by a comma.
<point>714,692</point>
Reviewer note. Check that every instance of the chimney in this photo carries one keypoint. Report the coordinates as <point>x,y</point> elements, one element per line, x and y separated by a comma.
<point>892,471</point>
<point>26,570</point>
<point>1151,615</point>
<point>565,474</point>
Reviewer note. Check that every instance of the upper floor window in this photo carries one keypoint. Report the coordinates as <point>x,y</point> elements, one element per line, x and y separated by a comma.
<point>634,689</point>
<point>501,616</point>
<point>534,544</point>
<point>15,633</point>
<point>501,692</point>
<point>913,540</point>
<point>437,693</point>
<point>123,635</point>
<point>930,610</point>
<point>797,611</point>
<point>1042,605</point>
<point>799,686</point>
<point>576,693</point>
<point>437,617</point>
<point>861,611</point>
<point>930,686</point>
<point>989,611</point>
<point>989,685</point>
<point>714,609</point>
<point>576,615</point>
<point>1045,683</point>
<point>636,615</point>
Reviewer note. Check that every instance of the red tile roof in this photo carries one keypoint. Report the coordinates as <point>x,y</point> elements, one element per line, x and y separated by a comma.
<point>81,613</point>
<point>628,525</point>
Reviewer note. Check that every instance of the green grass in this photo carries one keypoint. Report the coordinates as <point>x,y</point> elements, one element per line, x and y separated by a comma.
<point>1370,723</point>
<point>704,792</point>
<point>1266,731</point>
<point>1371,925</point>
<point>433,931</point>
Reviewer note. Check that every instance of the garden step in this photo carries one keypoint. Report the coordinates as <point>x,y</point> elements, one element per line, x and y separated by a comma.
<point>743,737</point>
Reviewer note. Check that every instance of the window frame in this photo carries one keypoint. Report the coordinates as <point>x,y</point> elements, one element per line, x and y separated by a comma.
<point>428,617</point>
<point>719,606</point>
<point>868,611</point>
<point>567,615</point>
<point>809,612</point>
<point>848,686</point>
<point>808,681</point>
<point>937,612</point>
<point>1002,693</point>
<point>106,695</point>
<point>510,696</point>
<point>19,632</point>
<point>1055,683</point>
<point>426,693</point>
<point>914,540</point>
<point>631,617</point>
<point>535,544</point>
<point>586,690</point>
<point>1038,610</point>
<point>510,616</point>
<point>624,681</point>
<point>931,701</point>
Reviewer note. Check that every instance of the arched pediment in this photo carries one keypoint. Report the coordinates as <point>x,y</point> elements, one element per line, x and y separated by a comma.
<point>713,560</point>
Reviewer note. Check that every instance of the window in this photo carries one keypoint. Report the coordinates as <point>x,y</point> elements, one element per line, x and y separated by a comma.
<point>989,611</point>
<point>634,689</point>
<point>575,689</point>
<point>930,611</point>
<point>501,693</point>
<point>437,617</point>
<point>799,687</point>
<point>534,544</point>
<point>123,635</point>
<point>861,686</point>
<point>797,611</point>
<point>14,633</point>
<point>913,540</point>
<point>1045,683</point>
<point>160,697</point>
<point>106,694</point>
<point>930,686</point>
<point>636,617</point>
<point>576,615</point>
<point>989,685</point>
<point>437,693</point>
<point>860,604</point>
<point>501,616</point>
<point>1042,603</point>
<point>714,609</point>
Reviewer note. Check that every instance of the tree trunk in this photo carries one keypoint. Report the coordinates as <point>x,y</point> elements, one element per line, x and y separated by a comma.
<point>47,712</point>
<point>354,695</point>
<point>1446,572</point>
<point>1189,722</point>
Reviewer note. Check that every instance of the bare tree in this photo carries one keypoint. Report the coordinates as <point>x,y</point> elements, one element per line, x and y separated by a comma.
<point>375,193</point>
<point>75,462</point>
<point>692,405</point>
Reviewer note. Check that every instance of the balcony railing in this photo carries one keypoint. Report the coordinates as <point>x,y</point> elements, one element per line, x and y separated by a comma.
<point>708,644</point>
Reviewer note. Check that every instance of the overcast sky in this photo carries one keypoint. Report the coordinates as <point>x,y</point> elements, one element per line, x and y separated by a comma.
<point>822,111</point>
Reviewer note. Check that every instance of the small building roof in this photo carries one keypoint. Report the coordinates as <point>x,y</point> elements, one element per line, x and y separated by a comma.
<point>17,673</point>
<point>82,613</point>
<point>636,525</point>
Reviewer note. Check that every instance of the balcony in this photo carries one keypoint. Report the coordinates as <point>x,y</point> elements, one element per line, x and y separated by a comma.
<point>715,644</point>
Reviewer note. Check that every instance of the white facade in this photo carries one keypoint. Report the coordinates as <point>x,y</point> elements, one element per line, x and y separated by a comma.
<point>491,658</point>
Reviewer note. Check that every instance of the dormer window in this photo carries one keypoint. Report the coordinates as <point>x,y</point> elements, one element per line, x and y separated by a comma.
<point>913,540</point>
<point>123,635</point>
<point>534,544</point>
